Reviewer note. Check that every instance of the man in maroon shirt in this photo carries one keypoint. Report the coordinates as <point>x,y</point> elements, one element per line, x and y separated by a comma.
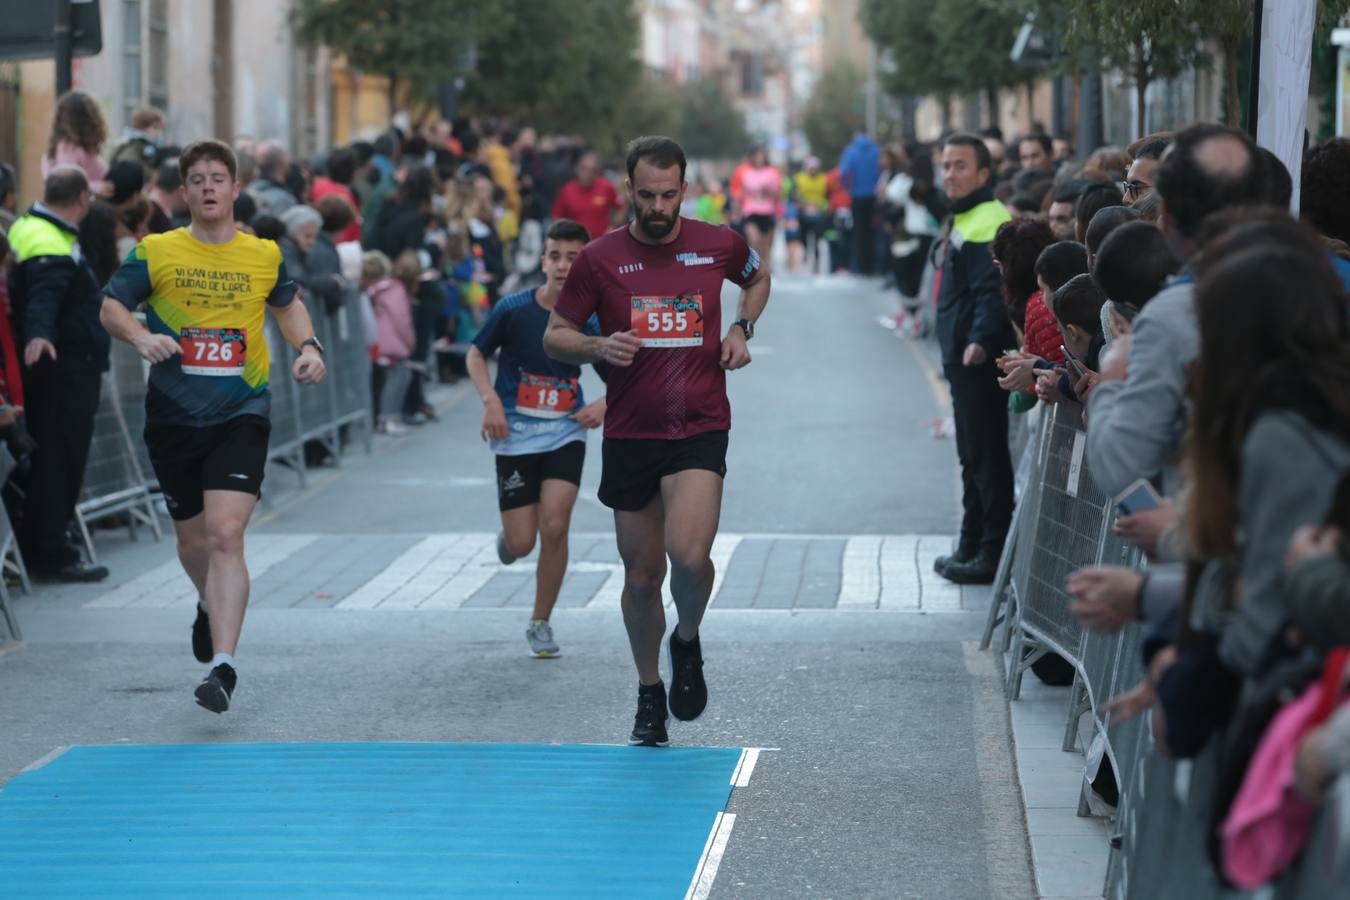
<point>656,287</point>
<point>589,198</point>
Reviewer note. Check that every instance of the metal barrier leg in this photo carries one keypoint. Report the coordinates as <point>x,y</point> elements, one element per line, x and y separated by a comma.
<point>11,622</point>
<point>86,537</point>
<point>1079,703</point>
<point>997,598</point>
<point>13,557</point>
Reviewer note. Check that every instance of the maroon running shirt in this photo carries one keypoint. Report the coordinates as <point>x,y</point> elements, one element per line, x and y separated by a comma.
<point>670,294</point>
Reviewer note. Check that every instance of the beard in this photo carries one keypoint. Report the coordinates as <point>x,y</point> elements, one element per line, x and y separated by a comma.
<point>655,227</point>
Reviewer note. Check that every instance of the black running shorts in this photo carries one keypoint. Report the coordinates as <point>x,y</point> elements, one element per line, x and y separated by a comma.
<point>190,461</point>
<point>764,222</point>
<point>521,478</point>
<point>633,469</point>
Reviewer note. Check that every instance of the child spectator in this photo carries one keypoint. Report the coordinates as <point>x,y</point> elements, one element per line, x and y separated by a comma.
<point>394,335</point>
<point>1077,309</point>
<point>1056,264</point>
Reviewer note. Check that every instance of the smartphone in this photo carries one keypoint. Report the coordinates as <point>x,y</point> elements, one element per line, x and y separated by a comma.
<point>1137,498</point>
<point>1073,362</point>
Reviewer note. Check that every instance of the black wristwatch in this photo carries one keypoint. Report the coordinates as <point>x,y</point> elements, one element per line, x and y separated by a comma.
<point>747,326</point>
<point>311,342</point>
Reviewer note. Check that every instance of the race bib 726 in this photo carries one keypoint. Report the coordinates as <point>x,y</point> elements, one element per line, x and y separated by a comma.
<point>213,351</point>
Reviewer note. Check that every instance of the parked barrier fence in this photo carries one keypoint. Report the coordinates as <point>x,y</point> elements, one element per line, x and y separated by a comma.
<point>1158,843</point>
<point>119,480</point>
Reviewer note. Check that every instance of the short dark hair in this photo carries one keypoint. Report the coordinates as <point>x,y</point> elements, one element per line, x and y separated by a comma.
<point>1039,137</point>
<point>567,230</point>
<point>335,211</point>
<point>1106,221</point>
<point>1069,191</point>
<point>342,165</point>
<point>64,186</point>
<point>1079,302</point>
<point>416,147</point>
<point>8,182</point>
<point>1094,199</point>
<point>384,145</point>
<point>1134,263</point>
<point>1323,203</point>
<point>1059,262</point>
<point>245,207</point>
<point>168,177</point>
<point>268,227</point>
<point>364,150</point>
<point>1150,146</point>
<point>127,178</point>
<point>656,150</point>
<point>206,150</point>
<point>983,158</point>
<point>1025,201</point>
<point>1277,183</point>
<point>1191,191</point>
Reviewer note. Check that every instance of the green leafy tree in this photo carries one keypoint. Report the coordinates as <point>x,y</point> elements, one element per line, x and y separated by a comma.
<point>710,126</point>
<point>649,106</point>
<point>417,42</point>
<point>834,112</point>
<point>976,38</point>
<point>570,79</point>
<point>905,28</point>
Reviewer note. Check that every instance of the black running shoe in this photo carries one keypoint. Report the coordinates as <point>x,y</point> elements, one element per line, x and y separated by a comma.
<point>649,725</point>
<point>214,692</point>
<point>202,647</point>
<point>688,690</point>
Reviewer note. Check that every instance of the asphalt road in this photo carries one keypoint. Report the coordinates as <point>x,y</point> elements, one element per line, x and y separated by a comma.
<point>888,767</point>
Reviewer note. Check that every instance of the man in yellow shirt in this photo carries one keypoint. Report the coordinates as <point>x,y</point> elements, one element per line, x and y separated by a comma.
<point>812,190</point>
<point>205,288</point>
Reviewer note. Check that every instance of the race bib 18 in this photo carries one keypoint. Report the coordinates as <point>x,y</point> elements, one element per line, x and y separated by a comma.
<point>545,396</point>
<point>213,351</point>
<point>669,321</point>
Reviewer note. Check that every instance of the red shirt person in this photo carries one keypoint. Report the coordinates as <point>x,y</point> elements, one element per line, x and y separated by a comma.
<point>656,289</point>
<point>589,198</point>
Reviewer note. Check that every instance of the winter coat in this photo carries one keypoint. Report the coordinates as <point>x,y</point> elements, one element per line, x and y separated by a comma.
<point>393,318</point>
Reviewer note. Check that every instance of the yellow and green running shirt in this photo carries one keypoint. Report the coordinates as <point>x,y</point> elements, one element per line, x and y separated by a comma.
<point>210,298</point>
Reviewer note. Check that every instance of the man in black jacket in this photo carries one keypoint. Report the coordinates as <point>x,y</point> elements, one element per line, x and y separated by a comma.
<point>973,329</point>
<point>56,306</point>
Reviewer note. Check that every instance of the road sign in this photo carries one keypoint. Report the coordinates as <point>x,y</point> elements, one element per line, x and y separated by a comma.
<point>28,31</point>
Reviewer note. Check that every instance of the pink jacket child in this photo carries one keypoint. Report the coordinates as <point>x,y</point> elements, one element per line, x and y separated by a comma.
<point>95,169</point>
<point>393,318</point>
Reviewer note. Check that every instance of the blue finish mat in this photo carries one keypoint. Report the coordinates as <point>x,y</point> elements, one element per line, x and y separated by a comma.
<point>469,820</point>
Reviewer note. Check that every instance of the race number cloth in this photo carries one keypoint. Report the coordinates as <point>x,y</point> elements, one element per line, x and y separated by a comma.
<point>210,299</point>
<point>675,387</point>
<point>539,393</point>
<point>669,321</point>
<point>546,397</point>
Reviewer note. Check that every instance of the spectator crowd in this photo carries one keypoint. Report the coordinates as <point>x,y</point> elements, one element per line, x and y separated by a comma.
<point>1200,331</point>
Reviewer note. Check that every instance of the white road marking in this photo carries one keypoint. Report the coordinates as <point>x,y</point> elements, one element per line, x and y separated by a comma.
<point>938,594</point>
<point>899,581</point>
<point>713,851</point>
<point>860,580</point>
<point>442,571</point>
<point>745,767</point>
<point>169,586</point>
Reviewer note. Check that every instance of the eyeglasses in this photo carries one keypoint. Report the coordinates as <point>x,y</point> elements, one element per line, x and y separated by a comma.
<point>1134,188</point>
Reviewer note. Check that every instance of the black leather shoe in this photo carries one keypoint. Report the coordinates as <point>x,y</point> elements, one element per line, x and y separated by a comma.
<point>76,573</point>
<point>980,570</point>
<point>962,555</point>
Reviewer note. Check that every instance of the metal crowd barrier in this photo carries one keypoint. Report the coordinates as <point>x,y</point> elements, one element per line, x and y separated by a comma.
<point>1159,843</point>
<point>119,480</point>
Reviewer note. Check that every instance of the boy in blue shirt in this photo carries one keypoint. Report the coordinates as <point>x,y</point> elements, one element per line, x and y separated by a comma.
<point>535,420</point>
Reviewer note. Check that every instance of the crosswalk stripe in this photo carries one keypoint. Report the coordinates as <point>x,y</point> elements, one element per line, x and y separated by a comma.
<point>168,585</point>
<point>443,571</point>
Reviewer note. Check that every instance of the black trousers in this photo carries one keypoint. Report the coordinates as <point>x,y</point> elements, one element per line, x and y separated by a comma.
<point>864,236</point>
<point>981,410</point>
<point>59,405</point>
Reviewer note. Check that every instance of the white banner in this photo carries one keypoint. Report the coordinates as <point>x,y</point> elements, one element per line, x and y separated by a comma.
<point>1286,57</point>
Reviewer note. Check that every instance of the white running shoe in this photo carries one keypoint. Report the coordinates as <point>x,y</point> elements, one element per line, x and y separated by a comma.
<point>540,637</point>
